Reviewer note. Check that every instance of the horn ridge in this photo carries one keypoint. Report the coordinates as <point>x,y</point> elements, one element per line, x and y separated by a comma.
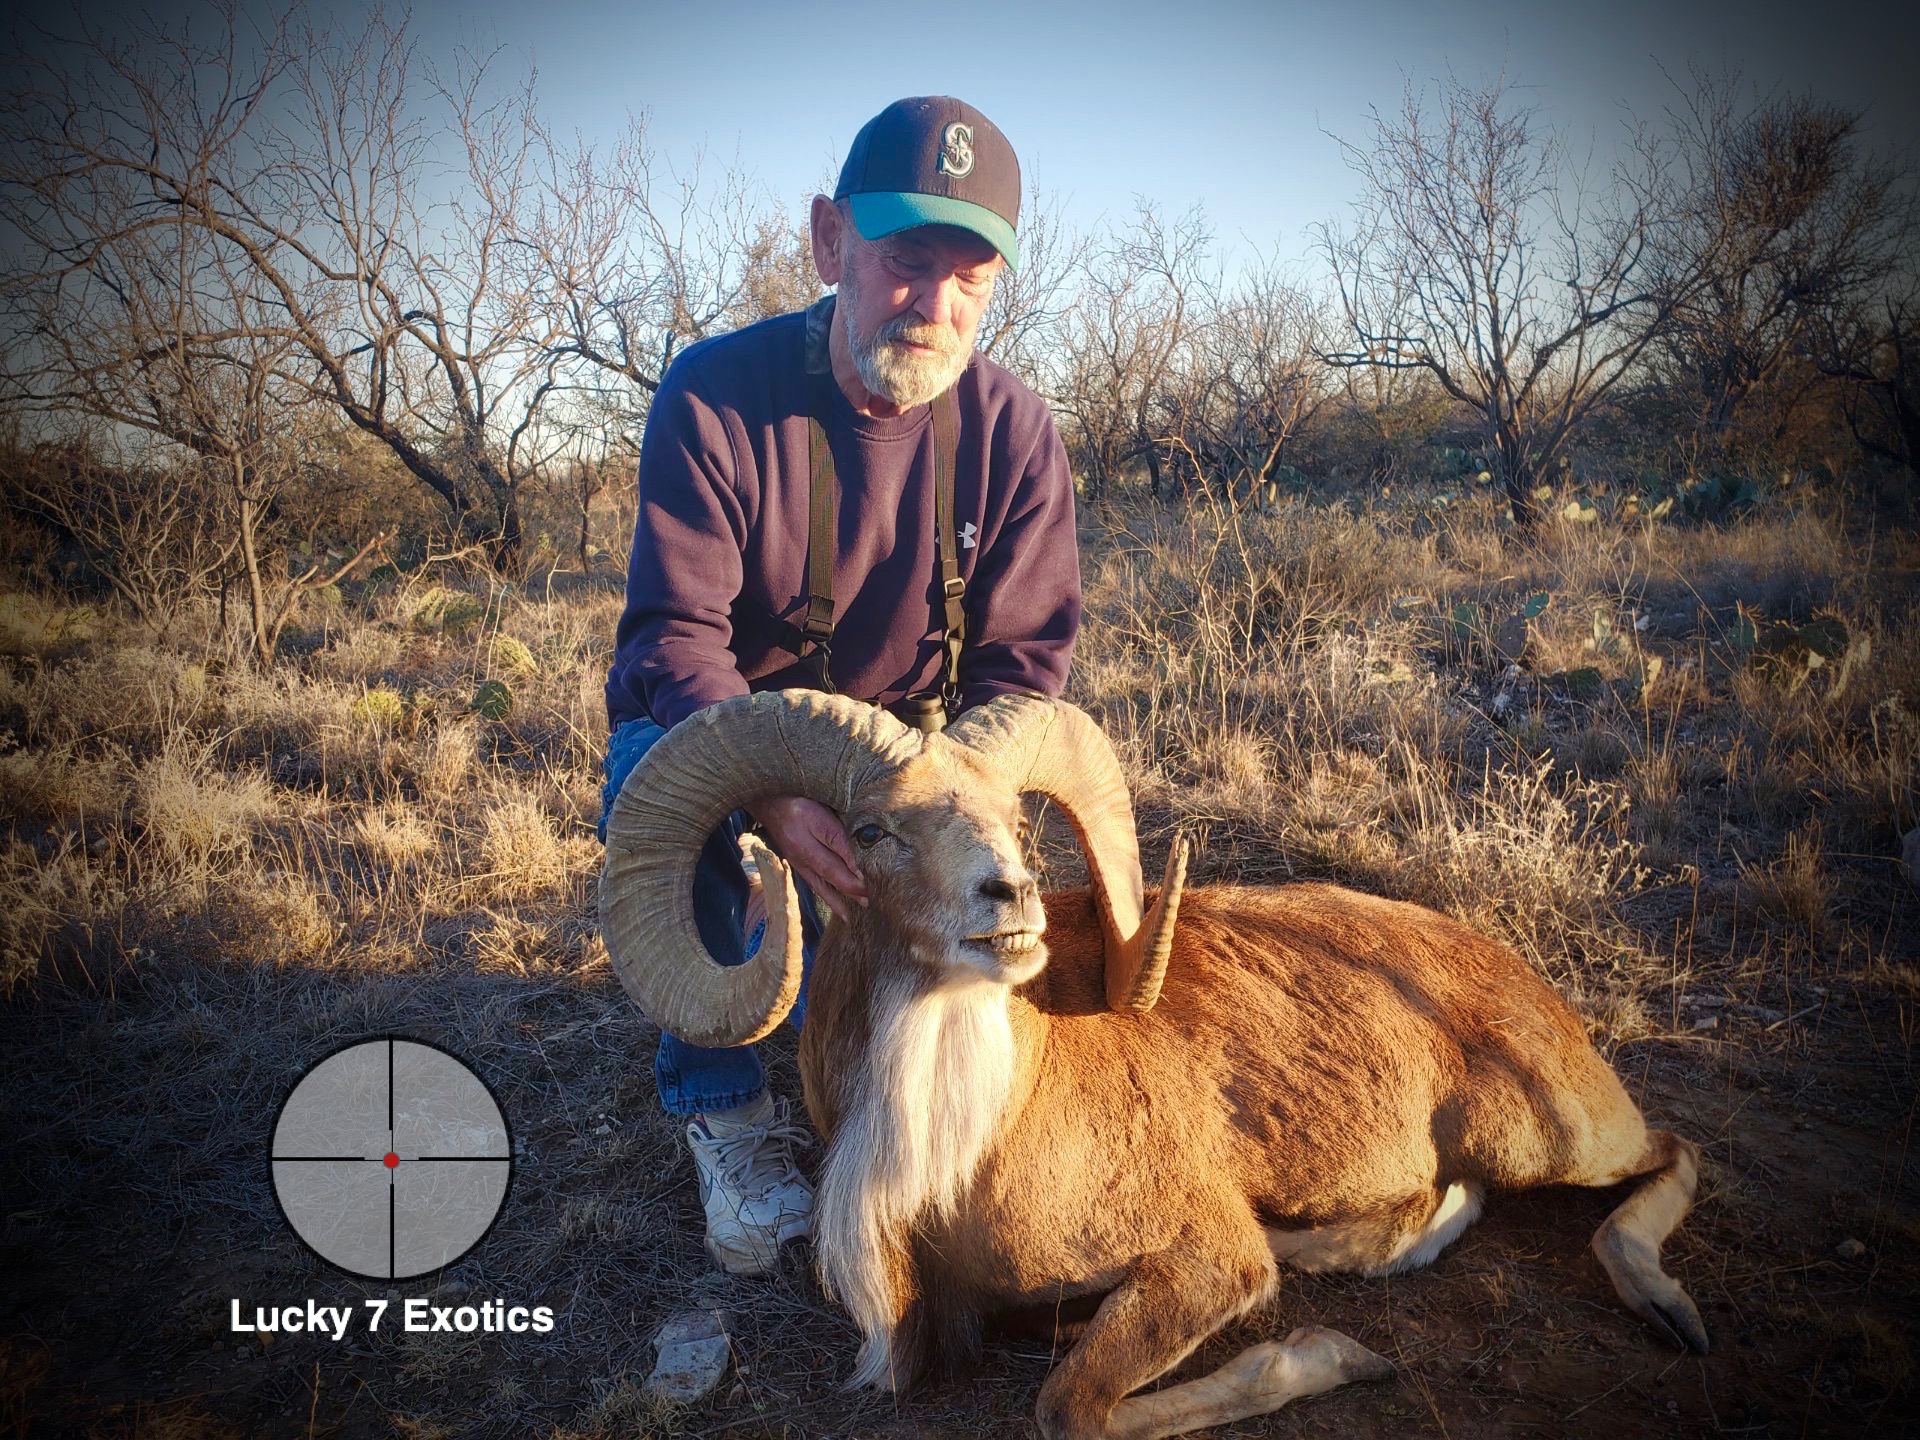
<point>723,756</point>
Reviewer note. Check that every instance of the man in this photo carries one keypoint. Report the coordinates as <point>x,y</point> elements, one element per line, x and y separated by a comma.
<point>846,415</point>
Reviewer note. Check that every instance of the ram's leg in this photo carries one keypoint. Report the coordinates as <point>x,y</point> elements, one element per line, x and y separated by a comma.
<point>1593,1134</point>
<point>1257,1381</point>
<point>1628,1242</point>
<point>1167,1306</point>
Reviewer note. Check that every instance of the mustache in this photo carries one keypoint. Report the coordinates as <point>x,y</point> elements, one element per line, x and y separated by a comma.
<point>932,336</point>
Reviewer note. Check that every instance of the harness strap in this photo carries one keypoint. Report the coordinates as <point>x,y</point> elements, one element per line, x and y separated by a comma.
<point>953,589</point>
<point>823,507</point>
<point>813,639</point>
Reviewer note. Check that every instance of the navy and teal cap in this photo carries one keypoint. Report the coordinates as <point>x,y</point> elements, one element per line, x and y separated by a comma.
<point>933,160</point>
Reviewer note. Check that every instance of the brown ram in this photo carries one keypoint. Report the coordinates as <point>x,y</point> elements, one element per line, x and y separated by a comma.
<point>1139,1113</point>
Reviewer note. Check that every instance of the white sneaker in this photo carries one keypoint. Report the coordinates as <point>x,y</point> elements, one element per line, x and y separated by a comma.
<point>756,1199</point>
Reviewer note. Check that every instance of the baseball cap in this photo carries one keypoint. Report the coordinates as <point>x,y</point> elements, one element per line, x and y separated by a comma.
<point>933,160</point>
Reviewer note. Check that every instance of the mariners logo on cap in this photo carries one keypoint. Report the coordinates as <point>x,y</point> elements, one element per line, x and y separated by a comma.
<point>956,150</point>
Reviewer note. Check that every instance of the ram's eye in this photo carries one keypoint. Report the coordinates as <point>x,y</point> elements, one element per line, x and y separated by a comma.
<point>868,835</point>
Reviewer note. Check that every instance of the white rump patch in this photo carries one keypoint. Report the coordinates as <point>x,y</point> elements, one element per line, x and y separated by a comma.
<point>1458,1208</point>
<point>1355,1248</point>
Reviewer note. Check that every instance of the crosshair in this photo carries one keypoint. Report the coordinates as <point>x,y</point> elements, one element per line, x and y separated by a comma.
<point>391,1158</point>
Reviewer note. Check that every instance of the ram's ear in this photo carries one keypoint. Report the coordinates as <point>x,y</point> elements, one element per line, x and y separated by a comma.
<point>1055,749</point>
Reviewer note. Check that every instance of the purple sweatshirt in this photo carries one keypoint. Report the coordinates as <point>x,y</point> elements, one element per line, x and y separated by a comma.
<point>720,543</point>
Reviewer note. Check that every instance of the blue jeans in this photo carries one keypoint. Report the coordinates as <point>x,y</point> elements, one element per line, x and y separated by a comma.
<point>693,1079</point>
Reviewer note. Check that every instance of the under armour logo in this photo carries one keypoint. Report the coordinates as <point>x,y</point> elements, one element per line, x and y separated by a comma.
<point>967,532</point>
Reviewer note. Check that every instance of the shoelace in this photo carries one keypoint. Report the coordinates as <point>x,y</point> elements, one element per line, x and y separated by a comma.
<point>770,1143</point>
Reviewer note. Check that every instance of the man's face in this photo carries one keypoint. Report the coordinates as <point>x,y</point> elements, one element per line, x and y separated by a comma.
<point>912,304</point>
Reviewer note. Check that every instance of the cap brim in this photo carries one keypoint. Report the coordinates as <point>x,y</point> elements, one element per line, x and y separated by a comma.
<point>888,212</point>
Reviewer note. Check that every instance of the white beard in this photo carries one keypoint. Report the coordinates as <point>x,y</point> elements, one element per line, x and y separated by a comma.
<point>938,1073</point>
<point>898,373</point>
<point>905,376</point>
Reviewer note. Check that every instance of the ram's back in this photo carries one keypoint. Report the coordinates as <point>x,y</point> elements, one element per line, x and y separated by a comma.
<point>1331,1051</point>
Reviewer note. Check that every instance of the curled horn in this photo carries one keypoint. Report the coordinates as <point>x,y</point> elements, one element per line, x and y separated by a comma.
<point>1055,749</point>
<point>791,742</point>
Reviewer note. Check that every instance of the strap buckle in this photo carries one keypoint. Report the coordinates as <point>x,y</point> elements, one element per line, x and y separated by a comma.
<point>821,659</point>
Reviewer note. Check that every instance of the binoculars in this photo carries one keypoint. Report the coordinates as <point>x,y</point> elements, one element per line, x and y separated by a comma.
<point>924,710</point>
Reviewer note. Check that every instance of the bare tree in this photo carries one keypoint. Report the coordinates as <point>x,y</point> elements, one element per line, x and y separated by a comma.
<point>1021,328</point>
<point>634,267</point>
<point>1137,293</point>
<point>1778,219</point>
<point>1469,259</point>
<point>1873,348</point>
<point>425,258</point>
<point>601,449</point>
<point>1389,415</point>
<point>138,317</point>
<point>158,538</point>
<point>134,340</point>
<point>420,317</point>
<point>1249,381</point>
<point>778,272</point>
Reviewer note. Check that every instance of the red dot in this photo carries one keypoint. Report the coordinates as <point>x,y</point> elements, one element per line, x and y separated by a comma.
<point>392,1161</point>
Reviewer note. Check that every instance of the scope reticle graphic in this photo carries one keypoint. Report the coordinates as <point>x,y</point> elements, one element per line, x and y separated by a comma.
<point>391,1159</point>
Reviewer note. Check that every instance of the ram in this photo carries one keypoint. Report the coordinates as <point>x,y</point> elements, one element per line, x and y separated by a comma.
<point>1147,1110</point>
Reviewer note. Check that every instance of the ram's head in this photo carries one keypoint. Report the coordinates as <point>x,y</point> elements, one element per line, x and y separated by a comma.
<point>936,824</point>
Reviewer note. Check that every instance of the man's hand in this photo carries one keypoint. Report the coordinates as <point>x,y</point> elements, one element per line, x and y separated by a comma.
<point>812,840</point>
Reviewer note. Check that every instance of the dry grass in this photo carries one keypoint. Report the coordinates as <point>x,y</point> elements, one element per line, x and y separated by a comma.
<point>53,785</point>
<point>396,835</point>
<point>195,812</point>
<point>1303,691</point>
<point>523,854</point>
<point>348,808</point>
<point>1796,891</point>
<point>211,876</point>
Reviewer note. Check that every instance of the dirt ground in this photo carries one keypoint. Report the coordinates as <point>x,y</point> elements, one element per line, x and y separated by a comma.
<point>139,1206</point>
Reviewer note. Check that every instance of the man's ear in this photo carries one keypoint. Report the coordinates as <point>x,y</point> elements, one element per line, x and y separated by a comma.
<point>825,225</point>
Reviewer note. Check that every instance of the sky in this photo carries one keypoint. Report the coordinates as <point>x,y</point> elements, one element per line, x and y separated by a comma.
<point>1228,104</point>
<point>1224,103</point>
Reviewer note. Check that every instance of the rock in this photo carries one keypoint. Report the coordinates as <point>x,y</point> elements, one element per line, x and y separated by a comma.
<point>691,1351</point>
<point>1850,1249</point>
<point>1910,854</point>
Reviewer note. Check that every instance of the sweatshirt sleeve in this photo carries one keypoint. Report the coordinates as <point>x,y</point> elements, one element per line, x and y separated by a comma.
<point>673,647</point>
<point>1023,599</point>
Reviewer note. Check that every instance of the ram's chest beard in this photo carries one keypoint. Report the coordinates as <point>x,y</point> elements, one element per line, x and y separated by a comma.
<point>932,1092</point>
